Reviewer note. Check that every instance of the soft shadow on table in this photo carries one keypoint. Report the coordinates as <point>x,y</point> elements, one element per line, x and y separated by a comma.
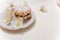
<point>20,31</point>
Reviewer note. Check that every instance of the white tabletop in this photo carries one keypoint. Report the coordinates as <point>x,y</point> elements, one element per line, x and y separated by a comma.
<point>45,27</point>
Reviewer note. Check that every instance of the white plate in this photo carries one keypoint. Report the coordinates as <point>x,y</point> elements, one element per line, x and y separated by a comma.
<point>24,25</point>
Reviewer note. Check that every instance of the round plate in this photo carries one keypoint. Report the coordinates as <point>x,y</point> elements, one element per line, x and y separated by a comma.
<point>24,24</point>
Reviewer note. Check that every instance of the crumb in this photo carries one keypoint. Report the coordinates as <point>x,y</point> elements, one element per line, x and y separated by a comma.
<point>17,23</point>
<point>43,9</point>
<point>58,4</point>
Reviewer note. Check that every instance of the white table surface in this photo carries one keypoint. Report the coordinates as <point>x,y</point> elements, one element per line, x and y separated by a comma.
<point>45,27</point>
